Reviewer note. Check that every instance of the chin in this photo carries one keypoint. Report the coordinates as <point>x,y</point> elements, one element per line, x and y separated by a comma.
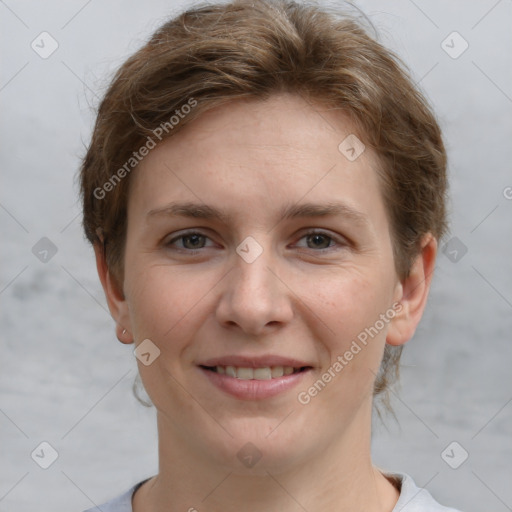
<point>259,450</point>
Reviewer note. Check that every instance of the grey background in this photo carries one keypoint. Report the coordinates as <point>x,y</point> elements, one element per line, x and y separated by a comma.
<point>66,380</point>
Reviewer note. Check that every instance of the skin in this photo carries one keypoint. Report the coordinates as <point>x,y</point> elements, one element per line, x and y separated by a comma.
<point>305,297</point>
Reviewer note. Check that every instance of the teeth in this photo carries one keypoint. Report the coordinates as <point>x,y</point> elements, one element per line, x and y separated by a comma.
<point>244,373</point>
<point>264,373</point>
<point>277,371</point>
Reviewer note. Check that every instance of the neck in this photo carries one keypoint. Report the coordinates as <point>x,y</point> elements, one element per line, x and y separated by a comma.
<point>341,478</point>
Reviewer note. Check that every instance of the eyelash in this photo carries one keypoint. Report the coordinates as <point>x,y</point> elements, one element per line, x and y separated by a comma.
<point>191,252</point>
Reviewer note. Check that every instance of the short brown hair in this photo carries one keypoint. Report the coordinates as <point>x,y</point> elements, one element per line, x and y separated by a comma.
<point>216,53</point>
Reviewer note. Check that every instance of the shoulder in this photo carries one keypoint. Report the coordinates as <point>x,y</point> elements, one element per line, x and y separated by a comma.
<point>414,498</point>
<point>121,503</point>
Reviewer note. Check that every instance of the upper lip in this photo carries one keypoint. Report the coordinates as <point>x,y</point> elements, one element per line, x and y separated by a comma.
<point>253,362</point>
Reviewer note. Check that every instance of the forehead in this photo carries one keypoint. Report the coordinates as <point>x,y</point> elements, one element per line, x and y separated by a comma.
<point>249,154</point>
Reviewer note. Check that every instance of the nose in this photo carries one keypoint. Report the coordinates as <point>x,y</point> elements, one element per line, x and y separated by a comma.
<point>255,299</point>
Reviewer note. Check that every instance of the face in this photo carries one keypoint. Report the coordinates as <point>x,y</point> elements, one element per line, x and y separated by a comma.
<point>233,259</point>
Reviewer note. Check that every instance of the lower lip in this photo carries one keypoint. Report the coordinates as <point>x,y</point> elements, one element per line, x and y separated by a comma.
<point>254,389</point>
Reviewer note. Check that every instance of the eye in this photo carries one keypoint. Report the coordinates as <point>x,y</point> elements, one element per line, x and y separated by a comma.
<point>321,240</point>
<point>191,241</point>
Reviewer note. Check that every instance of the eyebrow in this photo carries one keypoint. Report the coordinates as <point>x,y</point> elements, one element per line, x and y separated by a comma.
<point>305,210</point>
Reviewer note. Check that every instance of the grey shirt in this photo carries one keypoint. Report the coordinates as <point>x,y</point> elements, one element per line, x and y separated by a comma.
<point>412,498</point>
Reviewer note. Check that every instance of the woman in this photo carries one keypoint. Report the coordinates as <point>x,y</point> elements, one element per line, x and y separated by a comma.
<point>265,193</point>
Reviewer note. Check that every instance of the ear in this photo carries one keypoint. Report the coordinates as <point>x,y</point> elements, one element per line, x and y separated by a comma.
<point>413,293</point>
<point>115,297</point>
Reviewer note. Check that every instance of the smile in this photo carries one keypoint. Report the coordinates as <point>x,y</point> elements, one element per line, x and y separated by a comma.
<point>245,383</point>
<point>263,373</point>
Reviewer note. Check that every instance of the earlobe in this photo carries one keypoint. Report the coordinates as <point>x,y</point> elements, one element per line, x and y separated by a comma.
<point>123,335</point>
<point>414,293</point>
<point>115,298</point>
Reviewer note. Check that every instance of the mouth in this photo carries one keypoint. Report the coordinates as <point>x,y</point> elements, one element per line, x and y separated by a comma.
<point>261,373</point>
<point>254,380</point>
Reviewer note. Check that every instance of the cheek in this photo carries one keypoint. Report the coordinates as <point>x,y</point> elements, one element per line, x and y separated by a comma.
<point>351,307</point>
<point>162,302</point>
<point>350,302</point>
